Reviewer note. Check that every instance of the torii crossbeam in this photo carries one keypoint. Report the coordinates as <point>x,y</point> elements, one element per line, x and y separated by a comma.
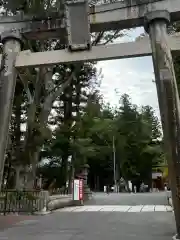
<point>139,48</point>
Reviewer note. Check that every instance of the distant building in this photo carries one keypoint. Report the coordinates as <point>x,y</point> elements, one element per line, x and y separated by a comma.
<point>159,177</point>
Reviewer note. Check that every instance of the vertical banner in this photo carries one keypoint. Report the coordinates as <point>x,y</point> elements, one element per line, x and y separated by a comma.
<point>76,189</point>
<point>80,189</point>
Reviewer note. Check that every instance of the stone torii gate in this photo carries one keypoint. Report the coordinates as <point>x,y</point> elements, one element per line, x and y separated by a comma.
<point>80,20</point>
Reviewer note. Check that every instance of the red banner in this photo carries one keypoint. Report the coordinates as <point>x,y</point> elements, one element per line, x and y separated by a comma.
<point>80,189</point>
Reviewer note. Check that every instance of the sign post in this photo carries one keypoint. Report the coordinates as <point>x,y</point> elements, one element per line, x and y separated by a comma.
<point>78,190</point>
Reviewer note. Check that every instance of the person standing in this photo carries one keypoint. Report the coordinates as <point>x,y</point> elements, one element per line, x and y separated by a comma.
<point>107,189</point>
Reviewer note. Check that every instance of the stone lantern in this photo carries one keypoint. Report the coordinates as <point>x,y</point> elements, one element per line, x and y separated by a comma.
<point>86,189</point>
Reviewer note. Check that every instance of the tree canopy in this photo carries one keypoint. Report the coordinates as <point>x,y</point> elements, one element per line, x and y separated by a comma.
<point>136,134</point>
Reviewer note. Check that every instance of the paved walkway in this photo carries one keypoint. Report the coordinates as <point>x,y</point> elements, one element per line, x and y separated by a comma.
<point>11,220</point>
<point>129,221</point>
<point>156,198</point>
<point>118,208</point>
<point>94,225</point>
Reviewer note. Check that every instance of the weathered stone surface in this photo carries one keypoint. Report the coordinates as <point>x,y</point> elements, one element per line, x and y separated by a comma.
<point>59,203</point>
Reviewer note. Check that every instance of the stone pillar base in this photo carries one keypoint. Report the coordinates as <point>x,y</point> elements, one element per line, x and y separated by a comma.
<point>87,194</point>
<point>78,202</point>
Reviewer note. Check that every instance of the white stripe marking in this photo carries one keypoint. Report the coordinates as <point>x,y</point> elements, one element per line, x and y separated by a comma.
<point>148,208</point>
<point>122,208</point>
<point>117,208</point>
<point>107,209</point>
<point>67,209</point>
<point>81,209</point>
<point>160,208</point>
<point>94,209</point>
<point>137,208</point>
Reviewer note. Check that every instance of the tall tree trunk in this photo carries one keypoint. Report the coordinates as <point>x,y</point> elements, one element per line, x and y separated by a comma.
<point>67,122</point>
<point>64,169</point>
<point>17,124</point>
<point>71,174</point>
<point>17,177</point>
<point>31,176</point>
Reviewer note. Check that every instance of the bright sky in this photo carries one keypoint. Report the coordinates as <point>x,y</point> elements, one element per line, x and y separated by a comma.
<point>131,76</point>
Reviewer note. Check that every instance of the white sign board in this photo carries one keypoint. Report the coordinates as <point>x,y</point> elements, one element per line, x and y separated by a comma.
<point>78,189</point>
<point>155,175</point>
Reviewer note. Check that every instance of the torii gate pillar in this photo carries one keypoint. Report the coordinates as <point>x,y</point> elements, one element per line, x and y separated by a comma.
<point>156,25</point>
<point>11,47</point>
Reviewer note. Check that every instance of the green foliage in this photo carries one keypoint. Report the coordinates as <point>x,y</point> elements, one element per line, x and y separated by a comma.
<point>136,134</point>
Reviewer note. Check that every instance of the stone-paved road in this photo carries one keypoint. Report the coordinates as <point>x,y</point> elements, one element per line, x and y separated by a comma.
<point>96,225</point>
<point>155,198</point>
<point>10,220</point>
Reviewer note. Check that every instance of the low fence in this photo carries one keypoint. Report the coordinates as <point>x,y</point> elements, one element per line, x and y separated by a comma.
<point>60,191</point>
<point>13,201</point>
